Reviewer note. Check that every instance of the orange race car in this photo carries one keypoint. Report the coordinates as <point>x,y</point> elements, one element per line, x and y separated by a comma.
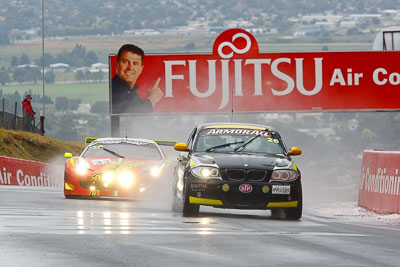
<point>114,167</point>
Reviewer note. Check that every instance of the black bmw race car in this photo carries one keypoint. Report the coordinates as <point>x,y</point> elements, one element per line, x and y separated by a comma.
<point>238,166</point>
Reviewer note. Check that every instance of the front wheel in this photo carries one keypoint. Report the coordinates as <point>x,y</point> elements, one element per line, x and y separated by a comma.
<point>187,208</point>
<point>290,213</point>
<point>296,213</point>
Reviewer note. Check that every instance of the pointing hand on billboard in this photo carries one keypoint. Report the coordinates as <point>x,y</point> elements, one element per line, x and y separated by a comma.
<point>155,94</point>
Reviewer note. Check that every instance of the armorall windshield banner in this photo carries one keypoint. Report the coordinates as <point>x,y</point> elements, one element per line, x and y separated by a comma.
<point>237,78</point>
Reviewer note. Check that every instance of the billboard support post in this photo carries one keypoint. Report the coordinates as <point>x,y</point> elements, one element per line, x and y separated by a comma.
<point>115,126</point>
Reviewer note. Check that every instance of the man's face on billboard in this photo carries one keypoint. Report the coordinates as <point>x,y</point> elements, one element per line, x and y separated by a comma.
<point>129,67</point>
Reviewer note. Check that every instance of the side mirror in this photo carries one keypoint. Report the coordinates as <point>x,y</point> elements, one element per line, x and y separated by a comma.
<point>67,155</point>
<point>295,151</point>
<point>181,147</point>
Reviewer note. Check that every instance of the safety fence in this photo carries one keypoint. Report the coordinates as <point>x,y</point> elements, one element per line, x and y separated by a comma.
<point>19,172</point>
<point>379,189</point>
<point>12,121</point>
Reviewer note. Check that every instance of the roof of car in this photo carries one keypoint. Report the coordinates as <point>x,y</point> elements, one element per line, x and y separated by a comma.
<point>236,125</point>
<point>120,139</point>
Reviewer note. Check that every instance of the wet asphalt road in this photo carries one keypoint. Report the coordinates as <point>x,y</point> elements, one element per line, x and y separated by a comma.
<point>41,228</point>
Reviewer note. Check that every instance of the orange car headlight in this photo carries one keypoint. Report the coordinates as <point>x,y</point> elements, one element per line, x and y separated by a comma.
<point>125,178</point>
<point>82,167</point>
<point>108,177</point>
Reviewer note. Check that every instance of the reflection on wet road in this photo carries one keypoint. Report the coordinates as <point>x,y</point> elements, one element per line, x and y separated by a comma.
<point>110,232</point>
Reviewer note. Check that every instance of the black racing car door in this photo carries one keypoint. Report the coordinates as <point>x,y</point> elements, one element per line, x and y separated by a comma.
<point>185,156</point>
<point>183,160</point>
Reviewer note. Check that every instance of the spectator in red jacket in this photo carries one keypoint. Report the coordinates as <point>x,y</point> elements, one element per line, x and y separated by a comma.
<point>28,114</point>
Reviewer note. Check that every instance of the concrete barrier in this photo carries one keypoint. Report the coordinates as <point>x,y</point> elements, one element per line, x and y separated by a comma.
<point>19,172</point>
<point>379,189</point>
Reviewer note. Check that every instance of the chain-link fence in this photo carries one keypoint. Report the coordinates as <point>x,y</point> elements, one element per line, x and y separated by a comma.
<point>14,122</point>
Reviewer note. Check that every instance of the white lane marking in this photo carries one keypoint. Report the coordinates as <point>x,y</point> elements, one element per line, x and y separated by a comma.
<point>31,189</point>
<point>14,219</point>
<point>96,230</point>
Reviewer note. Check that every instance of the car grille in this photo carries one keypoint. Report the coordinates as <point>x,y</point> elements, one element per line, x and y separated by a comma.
<point>246,175</point>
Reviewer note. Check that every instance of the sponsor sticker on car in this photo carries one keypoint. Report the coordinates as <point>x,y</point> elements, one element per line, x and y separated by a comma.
<point>245,188</point>
<point>281,189</point>
<point>101,161</point>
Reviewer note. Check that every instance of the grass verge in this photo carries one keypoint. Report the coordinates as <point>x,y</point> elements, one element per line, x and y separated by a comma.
<point>30,146</point>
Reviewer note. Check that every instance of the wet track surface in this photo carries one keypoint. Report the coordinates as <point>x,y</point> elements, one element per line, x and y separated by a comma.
<point>41,228</point>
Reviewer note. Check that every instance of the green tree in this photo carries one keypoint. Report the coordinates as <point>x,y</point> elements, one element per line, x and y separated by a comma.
<point>34,74</point>
<point>4,33</point>
<point>4,77</point>
<point>64,128</point>
<point>97,76</point>
<point>376,21</point>
<point>46,99</point>
<point>64,57</point>
<point>100,107</point>
<point>49,77</point>
<point>91,58</point>
<point>78,55</point>
<point>62,103</point>
<point>20,75</point>
<point>30,93</point>
<point>48,59</point>
<point>353,31</point>
<point>24,59</point>
<point>79,76</point>
<point>74,104</point>
<point>14,61</point>
<point>10,100</point>
<point>88,75</point>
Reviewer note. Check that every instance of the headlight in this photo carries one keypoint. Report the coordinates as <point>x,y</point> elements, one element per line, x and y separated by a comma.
<point>284,175</point>
<point>155,171</point>
<point>206,172</point>
<point>126,178</point>
<point>108,177</point>
<point>82,166</point>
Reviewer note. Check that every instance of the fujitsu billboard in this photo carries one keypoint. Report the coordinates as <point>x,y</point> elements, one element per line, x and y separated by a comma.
<point>236,77</point>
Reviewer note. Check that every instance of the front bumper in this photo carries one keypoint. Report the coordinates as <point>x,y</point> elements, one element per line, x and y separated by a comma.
<point>227,194</point>
<point>90,187</point>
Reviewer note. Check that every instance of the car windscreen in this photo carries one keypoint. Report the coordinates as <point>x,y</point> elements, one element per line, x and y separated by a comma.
<point>239,141</point>
<point>137,150</point>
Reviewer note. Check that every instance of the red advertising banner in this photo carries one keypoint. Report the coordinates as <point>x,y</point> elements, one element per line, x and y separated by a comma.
<point>379,189</point>
<point>236,77</point>
<point>29,173</point>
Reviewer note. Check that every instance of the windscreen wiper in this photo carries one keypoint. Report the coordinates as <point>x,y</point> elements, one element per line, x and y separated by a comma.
<point>113,153</point>
<point>223,145</point>
<point>247,142</point>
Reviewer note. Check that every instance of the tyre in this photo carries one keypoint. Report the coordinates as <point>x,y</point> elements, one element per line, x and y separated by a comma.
<point>187,208</point>
<point>277,213</point>
<point>296,213</point>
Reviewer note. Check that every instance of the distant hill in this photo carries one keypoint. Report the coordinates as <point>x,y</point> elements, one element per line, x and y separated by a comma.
<point>30,146</point>
<point>22,19</point>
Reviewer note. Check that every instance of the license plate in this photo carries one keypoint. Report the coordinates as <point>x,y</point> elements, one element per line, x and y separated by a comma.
<point>281,189</point>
